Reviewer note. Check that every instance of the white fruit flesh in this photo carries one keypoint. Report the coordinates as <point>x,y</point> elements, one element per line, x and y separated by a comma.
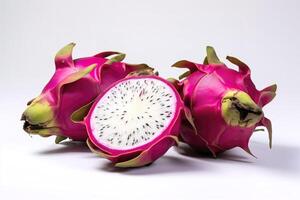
<point>133,112</point>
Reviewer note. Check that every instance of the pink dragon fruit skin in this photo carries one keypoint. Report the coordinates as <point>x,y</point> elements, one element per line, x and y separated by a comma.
<point>225,105</point>
<point>145,154</point>
<point>74,84</point>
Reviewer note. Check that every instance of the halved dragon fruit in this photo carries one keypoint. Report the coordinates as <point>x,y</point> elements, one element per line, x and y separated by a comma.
<point>74,84</point>
<point>135,121</point>
<point>225,106</point>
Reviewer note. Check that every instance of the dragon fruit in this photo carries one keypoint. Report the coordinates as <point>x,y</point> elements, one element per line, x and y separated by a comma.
<point>225,106</point>
<point>135,121</point>
<point>74,84</point>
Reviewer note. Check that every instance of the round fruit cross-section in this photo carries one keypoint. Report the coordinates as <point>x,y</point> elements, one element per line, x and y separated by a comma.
<point>133,113</point>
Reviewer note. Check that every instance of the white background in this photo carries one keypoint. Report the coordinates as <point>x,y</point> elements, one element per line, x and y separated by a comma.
<point>265,34</point>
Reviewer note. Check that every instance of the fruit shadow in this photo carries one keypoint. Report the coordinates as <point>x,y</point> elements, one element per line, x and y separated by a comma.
<point>164,165</point>
<point>228,156</point>
<point>67,147</point>
<point>281,158</point>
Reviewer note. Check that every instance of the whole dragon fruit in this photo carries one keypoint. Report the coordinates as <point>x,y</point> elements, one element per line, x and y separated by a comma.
<point>225,107</point>
<point>135,121</point>
<point>75,83</point>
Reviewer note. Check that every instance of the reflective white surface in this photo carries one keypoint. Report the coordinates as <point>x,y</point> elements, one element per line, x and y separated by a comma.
<point>264,34</point>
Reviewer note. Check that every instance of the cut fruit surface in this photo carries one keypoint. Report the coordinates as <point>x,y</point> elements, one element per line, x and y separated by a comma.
<point>133,112</point>
<point>133,117</point>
